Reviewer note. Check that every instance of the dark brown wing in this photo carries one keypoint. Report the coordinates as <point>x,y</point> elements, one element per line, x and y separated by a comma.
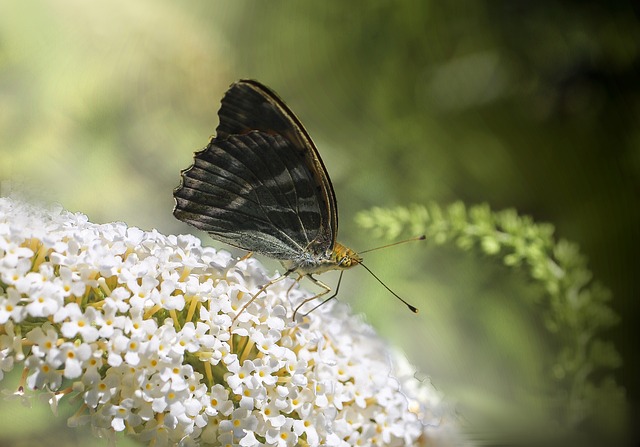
<point>260,183</point>
<point>248,105</point>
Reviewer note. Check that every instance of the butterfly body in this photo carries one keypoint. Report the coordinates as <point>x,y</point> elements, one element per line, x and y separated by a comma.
<point>340,258</point>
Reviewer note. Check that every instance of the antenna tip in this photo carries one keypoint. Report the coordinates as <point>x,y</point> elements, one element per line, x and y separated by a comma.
<point>413,309</point>
<point>422,238</point>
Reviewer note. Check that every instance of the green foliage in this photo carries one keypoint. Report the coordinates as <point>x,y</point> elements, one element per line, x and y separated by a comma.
<point>575,307</point>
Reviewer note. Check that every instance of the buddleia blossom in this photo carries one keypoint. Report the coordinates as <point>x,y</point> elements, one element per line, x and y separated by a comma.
<point>149,333</point>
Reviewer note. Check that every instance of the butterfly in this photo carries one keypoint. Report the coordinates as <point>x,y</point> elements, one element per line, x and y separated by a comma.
<point>260,185</point>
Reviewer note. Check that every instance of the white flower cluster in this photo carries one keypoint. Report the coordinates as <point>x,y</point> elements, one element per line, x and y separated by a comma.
<point>141,327</point>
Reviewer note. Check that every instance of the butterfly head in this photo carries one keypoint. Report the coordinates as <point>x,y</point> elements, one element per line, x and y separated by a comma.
<point>343,257</point>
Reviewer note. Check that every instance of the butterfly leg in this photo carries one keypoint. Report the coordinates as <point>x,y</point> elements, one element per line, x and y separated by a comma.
<point>255,295</point>
<point>326,288</point>
<point>247,256</point>
<point>297,281</point>
<point>251,300</point>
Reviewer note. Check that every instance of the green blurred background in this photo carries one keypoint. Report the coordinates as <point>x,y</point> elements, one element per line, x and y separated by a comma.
<point>532,105</point>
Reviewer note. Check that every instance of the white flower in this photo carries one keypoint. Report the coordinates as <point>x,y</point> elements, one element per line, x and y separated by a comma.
<point>10,308</point>
<point>217,401</point>
<point>74,357</point>
<point>147,331</point>
<point>283,436</point>
<point>77,322</point>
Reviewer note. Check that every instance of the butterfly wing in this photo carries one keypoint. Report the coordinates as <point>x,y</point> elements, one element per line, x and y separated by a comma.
<point>248,105</point>
<point>260,184</point>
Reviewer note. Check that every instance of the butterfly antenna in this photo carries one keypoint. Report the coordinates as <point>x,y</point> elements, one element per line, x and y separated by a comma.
<point>417,238</point>
<point>411,307</point>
